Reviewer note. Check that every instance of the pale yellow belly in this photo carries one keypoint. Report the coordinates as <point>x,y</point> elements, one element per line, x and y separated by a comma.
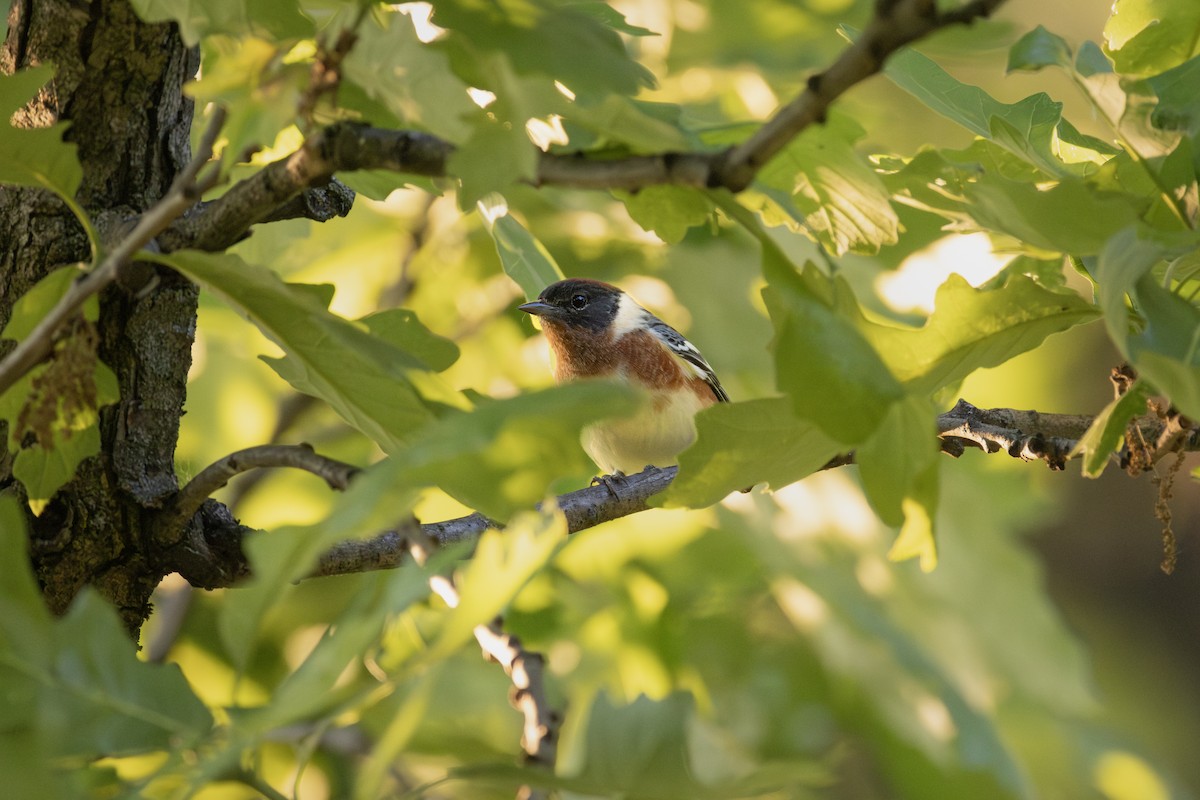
<point>655,435</point>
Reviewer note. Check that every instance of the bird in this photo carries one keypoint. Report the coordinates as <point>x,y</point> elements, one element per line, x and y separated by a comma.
<point>596,330</point>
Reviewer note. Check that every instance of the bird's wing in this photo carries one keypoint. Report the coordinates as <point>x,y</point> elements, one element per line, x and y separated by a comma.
<point>681,347</point>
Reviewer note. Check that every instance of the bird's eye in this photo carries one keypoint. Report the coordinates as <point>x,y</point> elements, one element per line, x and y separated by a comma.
<point>579,301</point>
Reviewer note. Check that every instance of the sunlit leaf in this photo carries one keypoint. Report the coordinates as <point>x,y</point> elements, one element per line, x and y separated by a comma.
<point>741,444</point>
<point>412,79</point>
<point>377,498</point>
<point>502,564</point>
<point>1147,36</point>
<point>1107,431</point>
<point>376,387</point>
<point>504,455</point>
<point>668,211</point>
<point>523,257</point>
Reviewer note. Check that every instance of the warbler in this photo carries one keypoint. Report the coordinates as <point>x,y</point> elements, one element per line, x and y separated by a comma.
<point>595,330</point>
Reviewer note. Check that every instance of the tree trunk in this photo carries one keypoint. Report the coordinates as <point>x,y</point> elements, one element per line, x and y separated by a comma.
<point>118,83</point>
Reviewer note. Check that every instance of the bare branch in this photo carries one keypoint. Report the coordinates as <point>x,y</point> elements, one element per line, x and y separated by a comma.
<point>216,475</point>
<point>184,192</point>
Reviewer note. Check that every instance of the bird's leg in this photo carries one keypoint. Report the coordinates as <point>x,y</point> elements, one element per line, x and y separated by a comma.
<point>611,482</point>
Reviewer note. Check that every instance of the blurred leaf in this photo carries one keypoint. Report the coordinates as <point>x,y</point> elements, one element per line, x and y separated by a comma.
<point>379,389</point>
<point>74,686</point>
<point>260,93</point>
<point>401,328</point>
<point>639,750</point>
<point>641,126</point>
<point>896,457</point>
<point>1108,430</point>
<point>1178,107</point>
<point>377,498</point>
<point>411,78</point>
<point>830,372</point>
<point>1090,60</point>
<point>551,39</point>
<point>524,258</point>
<point>1067,218</point>
<point>1147,36</point>
<point>1038,48</point>
<point>504,455</point>
<point>496,156</point>
<point>668,211</point>
<point>34,157</point>
<point>275,19</point>
<point>501,566</point>
<point>741,444</point>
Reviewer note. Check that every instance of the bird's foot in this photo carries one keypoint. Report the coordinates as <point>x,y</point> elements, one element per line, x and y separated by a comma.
<point>611,482</point>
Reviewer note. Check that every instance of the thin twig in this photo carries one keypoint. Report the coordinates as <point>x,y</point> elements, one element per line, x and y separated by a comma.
<point>184,192</point>
<point>189,499</point>
<point>539,735</point>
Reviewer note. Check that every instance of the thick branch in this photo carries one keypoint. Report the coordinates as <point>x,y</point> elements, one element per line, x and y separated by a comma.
<point>184,192</point>
<point>216,475</point>
<point>346,147</point>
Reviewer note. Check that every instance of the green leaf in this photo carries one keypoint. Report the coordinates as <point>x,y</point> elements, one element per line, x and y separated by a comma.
<point>975,328</point>
<point>34,157</point>
<point>1107,431</point>
<point>495,156</point>
<point>615,120</point>
<point>1147,36</point>
<point>668,211</point>
<point>266,19</point>
<point>309,691</point>
<point>42,471</point>
<point>1090,60</point>
<point>402,328</point>
<point>31,307</point>
<point>501,566</point>
<point>641,749</point>
<point>524,258</point>
<point>99,699</point>
<point>1025,128</point>
<point>829,370</point>
<point>896,457</point>
<point>504,455</point>
<point>741,444</point>
<point>1037,49</point>
<point>381,390</point>
<point>549,39</point>
<point>376,499</point>
<point>1069,218</point>
<point>74,687</point>
<point>411,78</point>
<point>1178,107</point>
<point>248,78</point>
<point>1166,351</point>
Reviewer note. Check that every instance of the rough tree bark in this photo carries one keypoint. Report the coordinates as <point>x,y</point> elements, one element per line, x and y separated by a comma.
<point>119,84</point>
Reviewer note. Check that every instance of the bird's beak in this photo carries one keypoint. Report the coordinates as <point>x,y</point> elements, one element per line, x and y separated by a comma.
<point>537,308</point>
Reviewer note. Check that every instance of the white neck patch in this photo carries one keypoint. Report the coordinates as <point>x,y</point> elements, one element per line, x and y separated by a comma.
<point>629,317</point>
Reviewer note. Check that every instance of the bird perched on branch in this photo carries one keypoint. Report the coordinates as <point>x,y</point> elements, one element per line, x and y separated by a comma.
<point>596,330</point>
